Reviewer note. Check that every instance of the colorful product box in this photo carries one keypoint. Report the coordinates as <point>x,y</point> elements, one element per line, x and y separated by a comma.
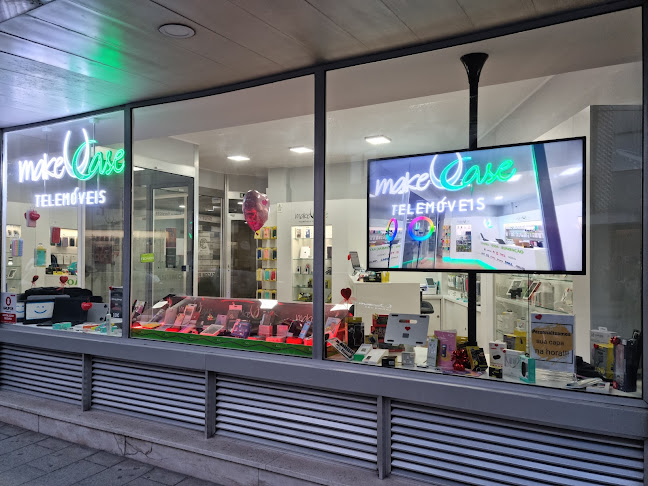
<point>496,350</point>
<point>603,359</point>
<point>517,341</point>
<point>447,345</point>
<point>528,369</point>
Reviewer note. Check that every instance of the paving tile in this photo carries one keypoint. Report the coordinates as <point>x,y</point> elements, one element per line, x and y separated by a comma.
<point>20,475</point>
<point>122,473</point>
<point>141,481</point>
<point>19,441</point>
<point>57,460</point>
<point>54,444</point>
<point>195,482</point>
<point>105,459</point>
<point>10,430</point>
<point>164,476</point>
<point>70,474</point>
<point>23,455</point>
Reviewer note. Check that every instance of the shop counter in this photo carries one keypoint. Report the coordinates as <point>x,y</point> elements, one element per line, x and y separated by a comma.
<point>515,257</point>
<point>384,298</point>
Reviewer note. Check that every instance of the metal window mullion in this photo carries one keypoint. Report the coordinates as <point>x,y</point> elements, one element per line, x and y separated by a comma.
<point>319,213</point>
<point>86,382</point>
<point>211,383</point>
<point>384,437</point>
<point>644,216</point>
<point>127,240</point>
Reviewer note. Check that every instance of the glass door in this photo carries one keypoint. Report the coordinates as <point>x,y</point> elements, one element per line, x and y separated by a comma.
<point>210,234</point>
<point>162,236</point>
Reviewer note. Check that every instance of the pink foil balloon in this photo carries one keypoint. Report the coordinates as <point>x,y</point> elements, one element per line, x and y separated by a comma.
<point>256,208</point>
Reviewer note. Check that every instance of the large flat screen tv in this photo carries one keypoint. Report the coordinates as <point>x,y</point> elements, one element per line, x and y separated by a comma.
<point>513,208</point>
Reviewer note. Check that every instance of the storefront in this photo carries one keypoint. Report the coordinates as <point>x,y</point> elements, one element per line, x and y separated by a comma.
<point>333,263</point>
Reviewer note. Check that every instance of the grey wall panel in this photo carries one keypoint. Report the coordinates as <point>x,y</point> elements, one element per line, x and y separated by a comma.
<point>434,445</point>
<point>47,374</point>
<point>172,396</point>
<point>334,425</point>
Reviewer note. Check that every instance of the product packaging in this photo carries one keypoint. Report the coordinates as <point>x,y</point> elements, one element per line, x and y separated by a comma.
<point>627,354</point>
<point>603,359</point>
<point>527,369</point>
<point>517,341</point>
<point>477,358</point>
<point>432,351</point>
<point>512,364</point>
<point>496,350</point>
<point>447,344</point>
<point>599,336</point>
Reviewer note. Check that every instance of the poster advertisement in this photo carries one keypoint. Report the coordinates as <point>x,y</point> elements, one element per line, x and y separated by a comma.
<point>8,314</point>
<point>552,342</point>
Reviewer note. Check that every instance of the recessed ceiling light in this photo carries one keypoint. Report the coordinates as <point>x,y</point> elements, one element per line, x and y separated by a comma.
<point>497,198</point>
<point>137,169</point>
<point>182,206</point>
<point>301,150</point>
<point>571,171</point>
<point>378,140</point>
<point>177,31</point>
<point>238,158</point>
<point>515,178</point>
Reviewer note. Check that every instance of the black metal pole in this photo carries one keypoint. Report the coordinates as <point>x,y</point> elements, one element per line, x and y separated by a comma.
<point>473,63</point>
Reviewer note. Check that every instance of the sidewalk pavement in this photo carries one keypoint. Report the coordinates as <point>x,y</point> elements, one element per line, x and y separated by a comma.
<point>33,459</point>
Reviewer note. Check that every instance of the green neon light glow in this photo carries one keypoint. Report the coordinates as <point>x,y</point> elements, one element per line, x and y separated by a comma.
<point>98,164</point>
<point>502,173</point>
<point>472,261</point>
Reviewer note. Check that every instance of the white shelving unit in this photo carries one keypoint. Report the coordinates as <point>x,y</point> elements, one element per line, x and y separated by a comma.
<point>302,263</point>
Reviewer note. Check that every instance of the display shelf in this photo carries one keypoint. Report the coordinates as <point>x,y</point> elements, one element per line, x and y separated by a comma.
<point>301,245</point>
<point>266,262</point>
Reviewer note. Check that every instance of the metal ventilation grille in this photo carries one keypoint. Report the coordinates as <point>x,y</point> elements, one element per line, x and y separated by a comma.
<point>337,426</point>
<point>47,374</point>
<point>433,446</point>
<point>172,396</point>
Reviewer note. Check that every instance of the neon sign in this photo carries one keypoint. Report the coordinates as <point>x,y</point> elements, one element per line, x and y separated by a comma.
<point>391,233</point>
<point>80,167</point>
<point>415,225</point>
<point>447,181</point>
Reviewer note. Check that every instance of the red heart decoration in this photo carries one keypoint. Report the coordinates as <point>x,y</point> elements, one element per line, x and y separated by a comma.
<point>86,306</point>
<point>349,256</point>
<point>346,293</point>
<point>255,209</point>
<point>408,328</point>
<point>34,278</point>
<point>63,279</point>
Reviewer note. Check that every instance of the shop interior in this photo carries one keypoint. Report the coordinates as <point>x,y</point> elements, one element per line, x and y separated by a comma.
<point>194,162</point>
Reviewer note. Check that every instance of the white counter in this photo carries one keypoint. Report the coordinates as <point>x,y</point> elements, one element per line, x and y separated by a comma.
<point>513,258</point>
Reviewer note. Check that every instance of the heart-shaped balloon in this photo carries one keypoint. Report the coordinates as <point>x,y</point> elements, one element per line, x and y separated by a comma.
<point>63,279</point>
<point>86,306</point>
<point>346,293</point>
<point>256,208</point>
<point>34,278</point>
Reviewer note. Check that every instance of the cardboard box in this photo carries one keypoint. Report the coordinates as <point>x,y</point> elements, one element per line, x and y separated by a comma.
<point>496,351</point>
<point>603,359</point>
<point>447,344</point>
<point>517,341</point>
<point>512,364</point>
<point>528,369</point>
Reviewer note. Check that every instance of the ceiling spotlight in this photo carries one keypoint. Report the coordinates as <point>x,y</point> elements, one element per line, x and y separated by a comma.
<point>378,140</point>
<point>177,31</point>
<point>137,169</point>
<point>515,178</point>
<point>497,198</point>
<point>181,206</point>
<point>301,150</point>
<point>238,158</point>
<point>571,171</point>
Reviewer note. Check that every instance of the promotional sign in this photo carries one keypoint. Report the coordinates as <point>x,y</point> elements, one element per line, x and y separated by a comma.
<point>147,257</point>
<point>8,314</point>
<point>552,342</point>
<point>512,208</point>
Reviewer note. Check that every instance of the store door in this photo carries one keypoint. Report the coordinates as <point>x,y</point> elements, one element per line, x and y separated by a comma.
<point>163,235</point>
<point>210,242</point>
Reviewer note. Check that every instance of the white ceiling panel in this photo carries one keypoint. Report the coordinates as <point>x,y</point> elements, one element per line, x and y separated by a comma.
<point>95,54</point>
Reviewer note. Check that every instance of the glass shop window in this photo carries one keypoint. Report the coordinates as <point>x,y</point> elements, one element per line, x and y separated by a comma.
<point>63,221</point>
<point>223,225</point>
<point>546,210</point>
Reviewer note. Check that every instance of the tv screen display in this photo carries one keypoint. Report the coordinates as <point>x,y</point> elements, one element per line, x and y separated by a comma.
<point>514,208</point>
